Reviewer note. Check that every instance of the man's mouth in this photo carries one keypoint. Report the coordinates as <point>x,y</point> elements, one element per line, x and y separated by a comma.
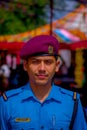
<point>41,76</point>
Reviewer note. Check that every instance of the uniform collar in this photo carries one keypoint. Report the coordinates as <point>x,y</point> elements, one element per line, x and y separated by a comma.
<point>55,93</point>
<point>25,93</point>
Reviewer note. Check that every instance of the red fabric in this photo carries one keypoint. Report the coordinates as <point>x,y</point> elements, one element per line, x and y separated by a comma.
<point>64,46</point>
<point>11,46</point>
<point>79,45</point>
<point>14,47</point>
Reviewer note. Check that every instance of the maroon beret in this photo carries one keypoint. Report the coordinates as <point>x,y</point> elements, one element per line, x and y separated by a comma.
<point>41,44</point>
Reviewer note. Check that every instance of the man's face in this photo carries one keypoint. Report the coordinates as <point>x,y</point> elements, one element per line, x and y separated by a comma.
<point>41,69</point>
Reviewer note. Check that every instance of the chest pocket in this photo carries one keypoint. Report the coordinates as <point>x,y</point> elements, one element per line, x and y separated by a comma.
<point>23,126</point>
<point>60,126</point>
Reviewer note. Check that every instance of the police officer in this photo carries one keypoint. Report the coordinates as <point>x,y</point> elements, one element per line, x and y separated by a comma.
<point>40,104</point>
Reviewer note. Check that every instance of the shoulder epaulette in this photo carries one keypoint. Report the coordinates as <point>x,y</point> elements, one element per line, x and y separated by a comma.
<point>4,97</point>
<point>75,96</point>
<point>66,91</point>
<point>11,93</point>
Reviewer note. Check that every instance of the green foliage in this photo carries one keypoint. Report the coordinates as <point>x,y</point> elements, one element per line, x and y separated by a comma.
<point>32,2</point>
<point>20,17</point>
<point>11,24</point>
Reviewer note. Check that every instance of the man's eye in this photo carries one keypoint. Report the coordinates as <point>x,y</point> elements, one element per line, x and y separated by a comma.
<point>48,62</point>
<point>35,62</point>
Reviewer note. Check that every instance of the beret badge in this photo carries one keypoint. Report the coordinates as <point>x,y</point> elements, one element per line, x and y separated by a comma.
<point>50,49</point>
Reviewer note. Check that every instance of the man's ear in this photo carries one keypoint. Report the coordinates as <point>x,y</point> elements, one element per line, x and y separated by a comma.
<point>25,65</point>
<point>57,65</point>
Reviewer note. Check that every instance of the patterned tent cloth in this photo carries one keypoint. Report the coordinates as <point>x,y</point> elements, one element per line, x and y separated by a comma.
<point>72,27</point>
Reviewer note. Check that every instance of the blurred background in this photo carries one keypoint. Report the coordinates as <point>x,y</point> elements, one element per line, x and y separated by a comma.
<point>20,20</point>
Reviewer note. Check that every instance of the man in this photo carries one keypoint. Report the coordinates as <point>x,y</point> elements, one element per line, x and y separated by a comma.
<point>40,104</point>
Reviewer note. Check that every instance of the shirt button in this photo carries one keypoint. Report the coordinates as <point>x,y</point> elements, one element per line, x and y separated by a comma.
<point>42,127</point>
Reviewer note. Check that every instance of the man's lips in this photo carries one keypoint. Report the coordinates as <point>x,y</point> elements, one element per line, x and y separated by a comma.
<point>41,76</point>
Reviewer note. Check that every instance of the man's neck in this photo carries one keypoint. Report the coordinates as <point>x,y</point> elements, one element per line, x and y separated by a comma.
<point>41,92</point>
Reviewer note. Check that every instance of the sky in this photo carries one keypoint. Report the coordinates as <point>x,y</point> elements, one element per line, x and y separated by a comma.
<point>61,8</point>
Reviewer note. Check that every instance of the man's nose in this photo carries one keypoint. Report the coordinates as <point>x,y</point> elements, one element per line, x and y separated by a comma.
<point>42,66</point>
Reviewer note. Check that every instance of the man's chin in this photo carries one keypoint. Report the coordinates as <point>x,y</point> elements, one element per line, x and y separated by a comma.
<point>41,83</point>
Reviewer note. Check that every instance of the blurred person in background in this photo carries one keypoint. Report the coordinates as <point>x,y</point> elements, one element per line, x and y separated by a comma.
<point>4,76</point>
<point>4,84</point>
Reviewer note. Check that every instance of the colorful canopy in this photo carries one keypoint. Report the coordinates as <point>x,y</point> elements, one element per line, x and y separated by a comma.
<point>74,23</point>
<point>71,29</point>
<point>66,36</point>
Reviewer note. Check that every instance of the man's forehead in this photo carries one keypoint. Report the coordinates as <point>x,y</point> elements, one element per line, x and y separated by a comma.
<point>41,57</point>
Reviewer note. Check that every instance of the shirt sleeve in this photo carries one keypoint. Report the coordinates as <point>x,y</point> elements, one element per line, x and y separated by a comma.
<point>3,121</point>
<point>80,122</point>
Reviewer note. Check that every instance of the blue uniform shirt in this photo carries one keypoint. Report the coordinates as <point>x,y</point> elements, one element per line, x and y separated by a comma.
<point>23,111</point>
